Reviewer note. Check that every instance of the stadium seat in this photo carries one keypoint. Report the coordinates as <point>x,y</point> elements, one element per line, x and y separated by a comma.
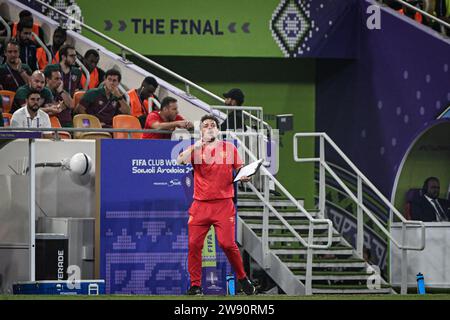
<point>124,121</point>
<point>56,124</point>
<point>88,121</point>
<point>7,99</point>
<point>6,119</point>
<point>77,97</point>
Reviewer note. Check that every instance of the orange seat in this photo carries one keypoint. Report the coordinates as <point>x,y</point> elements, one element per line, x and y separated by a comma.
<point>6,119</point>
<point>77,97</point>
<point>88,121</point>
<point>7,99</point>
<point>125,121</point>
<point>56,124</point>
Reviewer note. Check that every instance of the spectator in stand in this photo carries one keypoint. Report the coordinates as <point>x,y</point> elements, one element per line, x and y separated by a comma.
<point>233,98</point>
<point>71,74</point>
<point>62,98</point>
<point>105,102</point>
<point>30,115</point>
<point>143,100</point>
<point>429,207</point>
<point>59,38</point>
<point>14,73</point>
<point>97,75</point>
<point>167,118</point>
<point>27,46</point>
<point>37,83</point>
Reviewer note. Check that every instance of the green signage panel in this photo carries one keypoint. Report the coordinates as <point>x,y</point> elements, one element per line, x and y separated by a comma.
<point>188,28</point>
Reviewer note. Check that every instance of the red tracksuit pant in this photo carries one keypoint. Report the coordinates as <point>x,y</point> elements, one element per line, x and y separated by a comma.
<point>220,214</point>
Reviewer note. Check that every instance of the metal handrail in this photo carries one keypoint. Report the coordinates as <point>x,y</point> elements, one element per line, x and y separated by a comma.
<point>134,53</point>
<point>265,199</point>
<point>324,167</point>
<point>244,111</point>
<point>441,22</point>
<point>7,28</point>
<point>290,197</point>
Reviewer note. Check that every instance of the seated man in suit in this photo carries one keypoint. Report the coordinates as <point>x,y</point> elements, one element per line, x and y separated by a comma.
<point>429,207</point>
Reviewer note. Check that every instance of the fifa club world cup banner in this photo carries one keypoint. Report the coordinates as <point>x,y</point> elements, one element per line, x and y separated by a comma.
<point>144,202</point>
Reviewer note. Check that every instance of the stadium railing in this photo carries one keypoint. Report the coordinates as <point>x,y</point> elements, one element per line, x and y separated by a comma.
<point>358,199</point>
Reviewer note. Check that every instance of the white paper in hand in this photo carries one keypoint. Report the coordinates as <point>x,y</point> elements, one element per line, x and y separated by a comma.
<point>248,170</point>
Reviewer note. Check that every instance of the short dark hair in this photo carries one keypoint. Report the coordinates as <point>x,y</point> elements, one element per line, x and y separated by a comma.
<point>24,14</point>
<point>24,24</point>
<point>32,91</point>
<point>210,117</point>
<point>91,52</point>
<point>167,101</point>
<point>151,81</point>
<point>425,183</point>
<point>50,68</point>
<point>113,72</point>
<point>65,48</point>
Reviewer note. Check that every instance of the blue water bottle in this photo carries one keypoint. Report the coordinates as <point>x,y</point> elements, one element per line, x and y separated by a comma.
<point>420,284</point>
<point>230,285</point>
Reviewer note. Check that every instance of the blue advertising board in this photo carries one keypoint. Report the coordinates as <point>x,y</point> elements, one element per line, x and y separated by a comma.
<point>144,202</point>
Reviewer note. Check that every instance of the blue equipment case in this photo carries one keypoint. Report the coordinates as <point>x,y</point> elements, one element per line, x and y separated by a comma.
<point>49,287</point>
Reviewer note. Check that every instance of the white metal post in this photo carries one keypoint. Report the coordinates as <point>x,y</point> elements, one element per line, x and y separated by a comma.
<point>360,221</point>
<point>404,263</point>
<point>32,196</point>
<point>309,258</point>
<point>322,178</point>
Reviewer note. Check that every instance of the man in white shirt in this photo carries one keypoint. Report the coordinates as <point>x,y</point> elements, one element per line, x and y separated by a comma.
<point>429,207</point>
<point>30,116</point>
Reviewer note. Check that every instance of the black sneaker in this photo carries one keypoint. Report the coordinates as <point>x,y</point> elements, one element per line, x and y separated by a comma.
<point>247,286</point>
<point>195,291</point>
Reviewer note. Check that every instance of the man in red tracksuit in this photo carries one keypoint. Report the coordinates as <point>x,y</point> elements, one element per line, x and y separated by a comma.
<point>213,162</point>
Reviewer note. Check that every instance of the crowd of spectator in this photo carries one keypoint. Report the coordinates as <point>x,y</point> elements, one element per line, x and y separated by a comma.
<point>49,87</point>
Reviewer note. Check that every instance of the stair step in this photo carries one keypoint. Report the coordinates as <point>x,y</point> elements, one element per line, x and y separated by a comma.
<point>283,227</point>
<point>276,221</point>
<point>291,238</point>
<point>284,214</point>
<point>342,276</point>
<point>295,246</point>
<point>252,196</point>
<point>274,203</point>
<point>332,260</point>
<point>326,265</point>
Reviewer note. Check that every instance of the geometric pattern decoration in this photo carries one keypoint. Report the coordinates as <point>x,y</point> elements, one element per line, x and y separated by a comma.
<point>291,26</point>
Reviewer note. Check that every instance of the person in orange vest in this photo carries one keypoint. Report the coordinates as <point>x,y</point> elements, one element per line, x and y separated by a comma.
<point>26,15</point>
<point>143,100</point>
<point>97,75</point>
<point>59,37</point>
